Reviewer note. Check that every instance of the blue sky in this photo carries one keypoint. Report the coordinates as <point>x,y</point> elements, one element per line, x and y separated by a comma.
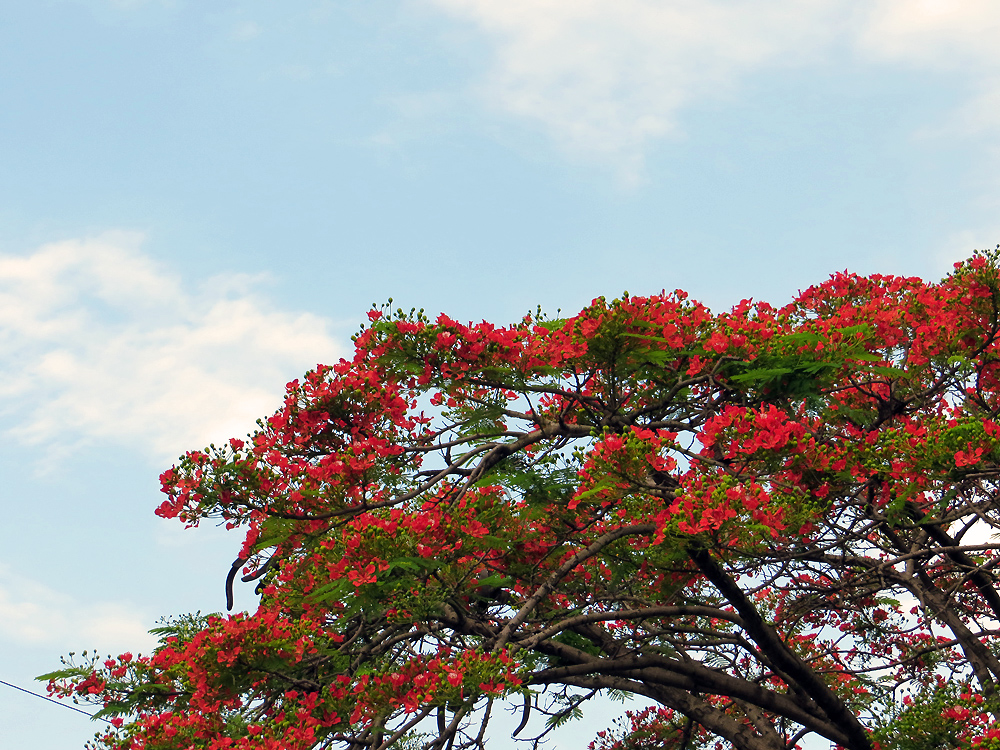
<point>199,201</point>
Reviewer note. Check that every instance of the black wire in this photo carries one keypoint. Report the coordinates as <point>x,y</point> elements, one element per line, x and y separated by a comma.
<point>53,700</point>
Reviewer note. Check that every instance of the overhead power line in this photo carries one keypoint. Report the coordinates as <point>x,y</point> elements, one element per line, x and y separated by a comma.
<point>52,700</point>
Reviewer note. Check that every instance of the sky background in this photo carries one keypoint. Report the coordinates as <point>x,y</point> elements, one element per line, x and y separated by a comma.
<point>200,200</point>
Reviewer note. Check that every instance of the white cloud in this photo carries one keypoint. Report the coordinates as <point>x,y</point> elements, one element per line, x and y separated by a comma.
<point>34,614</point>
<point>607,78</point>
<point>99,342</point>
<point>941,34</point>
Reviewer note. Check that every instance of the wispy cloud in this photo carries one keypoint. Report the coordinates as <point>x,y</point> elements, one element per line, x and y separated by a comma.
<point>99,342</point>
<point>940,34</point>
<point>608,78</point>
<point>32,613</point>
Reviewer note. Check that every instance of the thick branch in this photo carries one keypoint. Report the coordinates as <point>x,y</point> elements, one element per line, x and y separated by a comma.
<point>771,643</point>
<point>713,719</point>
<point>697,678</point>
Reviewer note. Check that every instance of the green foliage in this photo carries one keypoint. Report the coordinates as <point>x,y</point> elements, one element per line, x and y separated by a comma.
<point>919,725</point>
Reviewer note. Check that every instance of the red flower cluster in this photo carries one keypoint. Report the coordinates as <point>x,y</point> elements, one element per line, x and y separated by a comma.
<point>770,522</point>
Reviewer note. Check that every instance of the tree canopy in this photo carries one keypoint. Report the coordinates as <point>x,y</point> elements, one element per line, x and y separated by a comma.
<point>766,524</point>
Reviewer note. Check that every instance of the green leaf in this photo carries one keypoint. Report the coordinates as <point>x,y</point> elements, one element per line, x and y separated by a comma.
<point>890,371</point>
<point>599,487</point>
<point>494,542</point>
<point>273,532</point>
<point>330,592</point>
<point>413,563</point>
<point>60,674</point>
<point>764,374</point>
<point>805,337</point>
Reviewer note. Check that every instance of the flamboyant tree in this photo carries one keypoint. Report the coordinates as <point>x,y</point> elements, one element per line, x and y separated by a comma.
<point>766,524</point>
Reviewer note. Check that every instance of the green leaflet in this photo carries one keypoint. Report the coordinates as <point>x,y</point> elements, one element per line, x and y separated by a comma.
<point>274,531</point>
<point>551,325</point>
<point>762,375</point>
<point>329,592</point>
<point>413,563</point>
